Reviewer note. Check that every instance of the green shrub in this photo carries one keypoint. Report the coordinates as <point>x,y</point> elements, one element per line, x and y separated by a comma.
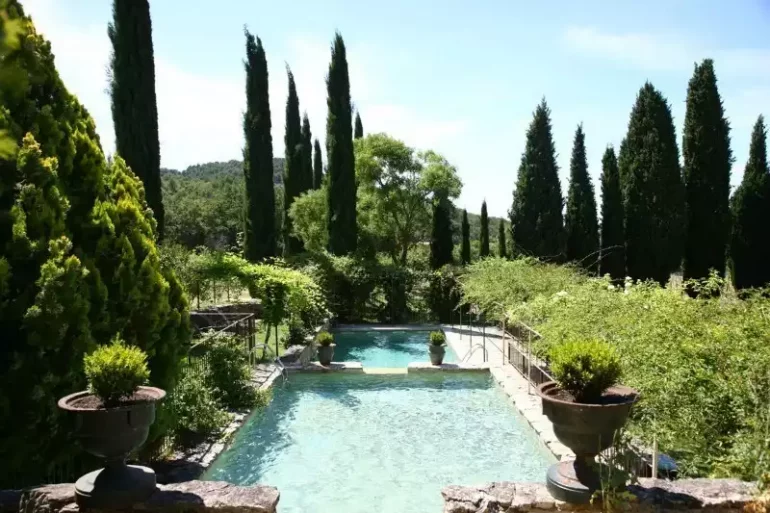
<point>585,368</point>
<point>115,371</point>
<point>296,333</point>
<point>437,338</point>
<point>195,409</point>
<point>325,338</point>
<point>228,373</point>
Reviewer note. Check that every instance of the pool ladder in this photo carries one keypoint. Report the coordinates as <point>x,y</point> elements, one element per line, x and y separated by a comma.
<point>472,350</point>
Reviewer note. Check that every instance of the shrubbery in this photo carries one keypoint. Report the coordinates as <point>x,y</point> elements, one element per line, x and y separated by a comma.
<point>195,408</point>
<point>585,368</point>
<point>115,371</point>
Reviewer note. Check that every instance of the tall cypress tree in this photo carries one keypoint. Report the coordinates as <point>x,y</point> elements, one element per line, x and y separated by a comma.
<point>293,171</point>
<point>707,163</point>
<point>502,251</point>
<point>749,241</point>
<point>441,244</point>
<point>613,254</point>
<point>465,248</point>
<point>132,89</point>
<point>307,155</point>
<point>484,246</point>
<point>260,218</point>
<point>343,231</point>
<point>359,131</point>
<point>318,166</point>
<point>536,216</point>
<point>653,192</point>
<point>581,225</point>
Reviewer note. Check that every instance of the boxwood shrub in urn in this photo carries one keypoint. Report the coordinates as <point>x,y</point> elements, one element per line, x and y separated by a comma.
<point>437,347</point>
<point>325,342</point>
<point>587,407</point>
<point>112,419</point>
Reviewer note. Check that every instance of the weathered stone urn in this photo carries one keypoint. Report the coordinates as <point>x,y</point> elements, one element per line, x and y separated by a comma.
<point>437,354</point>
<point>326,354</point>
<point>587,429</point>
<point>112,433</point>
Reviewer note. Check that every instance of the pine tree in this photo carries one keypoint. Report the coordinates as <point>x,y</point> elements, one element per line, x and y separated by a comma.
<point>132,90</point>
<point>749,241</point>
<point>536,216</point>
<point>259,216</point>
<point>707,164</point>
<point>581,225</point>
<point>318,166</point>
<point>359,131</point>
<point>293,173</point>
<point>653,192</point>
<point>502,250</point>
<point>343,231</point>
<point>465,249</point>
<point>613,254</point>
<point>441,244</point>
<point>307,155</point>
<point>484,246</point>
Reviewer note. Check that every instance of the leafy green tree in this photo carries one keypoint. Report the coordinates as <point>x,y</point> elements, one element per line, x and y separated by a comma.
<point>260,219</point>
<point>653,192</point>
<point>441,244</point>
<point>343,231</point>
<point>294,172</point>
<point>78,263</point>
<point>359,131</point>
<point>484,250</point>
<point>581,225</point>
<point>707,164</point>
<point>308,215</point>
<point>132,90</point>
<point>465,250</point>
<point>307,155</point>
<point>536,216</point>
<point>749,241</point>
<point>318,166</point>
<point>613,259</point>
<point>502,250</point>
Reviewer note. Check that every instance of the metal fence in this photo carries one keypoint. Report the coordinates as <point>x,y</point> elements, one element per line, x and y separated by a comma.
<point>518,352</point>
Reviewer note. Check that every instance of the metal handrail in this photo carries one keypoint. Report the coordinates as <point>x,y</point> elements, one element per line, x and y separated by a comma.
<point>472,350</point>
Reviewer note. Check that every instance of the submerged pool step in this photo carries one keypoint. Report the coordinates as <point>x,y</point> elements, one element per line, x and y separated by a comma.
<point>384,370</point>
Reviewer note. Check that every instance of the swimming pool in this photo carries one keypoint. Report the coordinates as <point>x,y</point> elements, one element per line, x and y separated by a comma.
<point>385,348</point>
<point>359,443</point>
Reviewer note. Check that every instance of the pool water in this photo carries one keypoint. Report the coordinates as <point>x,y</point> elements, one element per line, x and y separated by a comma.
<point>385,348</point>
<point>355,443</point>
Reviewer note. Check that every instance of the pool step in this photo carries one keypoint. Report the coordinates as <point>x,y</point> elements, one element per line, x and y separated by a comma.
<point>384,370</point>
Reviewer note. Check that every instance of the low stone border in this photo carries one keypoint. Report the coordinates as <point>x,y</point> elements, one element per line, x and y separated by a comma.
<point>447,367</point>
<point>354,367</point>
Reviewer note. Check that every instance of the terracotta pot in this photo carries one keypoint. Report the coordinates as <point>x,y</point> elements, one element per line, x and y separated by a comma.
<point>326,354</point>
<point>437,354</point>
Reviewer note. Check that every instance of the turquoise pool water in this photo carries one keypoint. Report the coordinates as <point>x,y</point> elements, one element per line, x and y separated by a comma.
<point>385,348</point>
<point>342,443</point>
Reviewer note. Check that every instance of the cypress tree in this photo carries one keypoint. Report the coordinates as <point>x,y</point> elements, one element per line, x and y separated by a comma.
<point>749,241</point>
<point>581,225</point>
<point>502,252</point>
<point>613,255</point>
<point>318,166</point>
<point>293,172</point>
<point>259,216</point>
<point>441,244</point>
<point>484,246</point>
<point>536,216</point>
<point>707,163</point>
<point>653,192</point>
<point>307,155</point>
<point>465,249</point>
<point>343,231</point>
<point>132,91</point>
<point>359,131</point>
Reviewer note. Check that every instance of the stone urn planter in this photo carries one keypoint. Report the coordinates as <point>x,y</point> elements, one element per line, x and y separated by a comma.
<point>326,354</point>
<point>587,429</point>
<point>112,433</point>
<point>437,354</point>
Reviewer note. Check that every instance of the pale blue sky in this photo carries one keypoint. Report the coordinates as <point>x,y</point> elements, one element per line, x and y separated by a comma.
<point>459,77</point>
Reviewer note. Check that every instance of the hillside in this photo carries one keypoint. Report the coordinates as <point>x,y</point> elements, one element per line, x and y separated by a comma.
<point>214,170</point>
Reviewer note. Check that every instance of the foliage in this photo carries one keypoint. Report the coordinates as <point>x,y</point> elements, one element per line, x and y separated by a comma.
<point>441,233</point>
<point>613,253</point>
<point>437,338</point>
<point>325,338</point>
<point>294,172</point>
<point>341,214</point>
<point>358,133</point>
<point>114,372</point>
<point>749,241</point>
<point>484,251</point>
<point>228,373</point>
<point>707,164</point>
<point>318,166</point>
<point>580,225</point>
<point>132,90</point>
<point>465,249</point>
<point>653,193</point>
<point>194,407</point>
<point>259,213</point>
<point>536,215</point>
<point>307,155</point>
<point>585,368</point>
<point>308,214</point>
<point>502,250</point>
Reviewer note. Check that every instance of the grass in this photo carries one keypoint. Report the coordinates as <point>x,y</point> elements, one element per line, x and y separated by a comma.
<point>283,330</point>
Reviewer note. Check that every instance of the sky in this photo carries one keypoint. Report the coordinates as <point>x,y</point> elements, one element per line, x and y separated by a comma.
<point>462,78</point>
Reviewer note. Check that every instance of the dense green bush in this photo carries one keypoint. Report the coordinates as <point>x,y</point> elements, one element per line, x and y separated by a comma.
<point>585,368</point>
<point>115,371</point>
<point>325,338</point>
<point>196,411</point>
<point>437,338</point>
<point>227,373</point>
<point>444,293</point>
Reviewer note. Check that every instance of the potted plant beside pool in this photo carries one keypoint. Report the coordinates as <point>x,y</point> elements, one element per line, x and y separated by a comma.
<point>112,419</point>
<point>437,347</point>
<point>587,407</point>
<point>325,342</point>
